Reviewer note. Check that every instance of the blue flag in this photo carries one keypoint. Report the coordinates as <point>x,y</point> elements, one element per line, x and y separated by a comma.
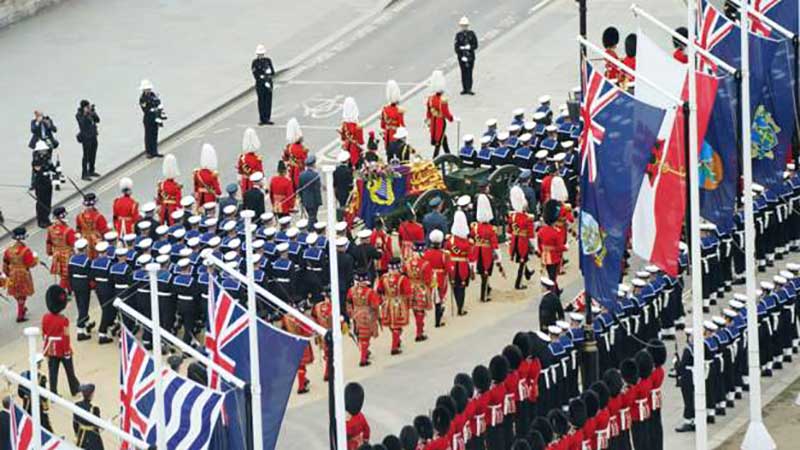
<point>618,135</point>
<point>783,12</point>
<point>719,156</point>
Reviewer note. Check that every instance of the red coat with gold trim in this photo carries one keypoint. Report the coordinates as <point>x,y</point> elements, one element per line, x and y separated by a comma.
<point>551,245</point>
<point>248,164</point>
<point>352,140</point>
<point>168,199</point>
<point>396,290</point>
<point>295,156</point>
<point>362,305</point>
<point>520,230</point>
<point>437,116</point>
<point>420,274</point>
<point>125,214</point>
<point>409,232</point>
<point>281,194</point>
<point>206,186</point>
<point>383,243</point>
<point>392,117</point>
<point>92,225</point>
<point>485,243</point>
<point>439,261</point>
<point>461,255</point>
<point>18,260</point>
<point>60,242</point>
<point>294,326</point>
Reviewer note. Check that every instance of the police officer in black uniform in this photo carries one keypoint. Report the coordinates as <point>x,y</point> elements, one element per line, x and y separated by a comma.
<point>153,118</point>
<point>465,45</point>
<point>187,297</point>
<point>262,74</point>
<point>87,435</point>
<point>78,269</point>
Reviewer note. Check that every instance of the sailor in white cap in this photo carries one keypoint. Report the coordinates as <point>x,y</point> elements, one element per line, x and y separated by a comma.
<point>263,72</point>
<point>438,113</point>
<point>392,115</point>
<point>491,129</point>
<point>79,276</point>
<point>541,169</point>
<point>467,152</point>
<point>518,117</point>
<point>342,178</point>
<point>154,117</point>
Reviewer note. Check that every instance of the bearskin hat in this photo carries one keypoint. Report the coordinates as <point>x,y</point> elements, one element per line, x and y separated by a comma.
<point>459,396</point>
<point>601,389</point>
<point>353,398</point>
<point>613,380</point>
<point>465,381</point>
<point>577,412</point>
<point>56,299</point>
<point>543,426</point>
<point>520,444</point>
<point>630,371</point>
<point>658,351</point>
<point>559,422</point>
<point>523,342</point>
<point>481,378</point>
<point>424,427</point>
<point>538,346</point>
<point>513,354</point>
<point>281,167</point>
<point>683,31</point>
<point>409,438</point>
<point>551,211</point>
<point>589,398</point>
<point>536,440</point>
<point>392,442</point>
<point>644,361</point>
<point>610,37</point>
<point>441,420</point>
<point>198,373</point>
<point>498,366</point>
<point>447,402</point>
<point>630,45</point>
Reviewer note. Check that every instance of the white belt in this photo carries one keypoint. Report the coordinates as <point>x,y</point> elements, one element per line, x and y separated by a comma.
<point>77,275</point>
<point>102,280</point>
<point>185,297</point>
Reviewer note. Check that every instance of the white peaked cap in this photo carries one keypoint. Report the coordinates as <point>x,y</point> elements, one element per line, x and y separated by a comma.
<point>293,131</point>
<point>460,226</point>
<point>518,112</point>
<point>401,133</point>
<point>208,157</point>
<point>518,200</point>
<point>484,213</point>
<point>468,138</point>
<point>311,239</point>
<point>463,200</point>
<point>125,184</point>
<point>491,122</point>
<point>558,157</point>
<point>170,167</point>
<point>343,157</point>
<point>538,116</point>
<point>148,207</point>
<point>541,154</point>
<point>502,135</point>
<point>350,110</point>
<point>438,83</point>
<point>250,141</point>
<point>187,201</point>
<point>260,49</point>
<point>558,190</point>
<point>436,236</point>
<point>392,91</point>
<point>464,21</point>
<point>81,244</point>
<point>545,99</point>
<point>145,84</point>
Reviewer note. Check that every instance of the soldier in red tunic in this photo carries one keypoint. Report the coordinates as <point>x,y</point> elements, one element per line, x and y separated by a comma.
<point>438,114</point>
<point>18,260</point>
<point>168,195</point>
<point>680,48</point>
<point>485,245</point>
<point>56,339</point>
<point>362,306</point>
<point>439,261</point>
<point>281,192</point>
<point>409,231</point>
<point>520,230</point>
<point>60,239</point>
<point>395,288</point>
<point>392,115</point>
<point>382,241</point>
<point>551,241</point>
<point>351,132</point>
<point>249,161</point>
<point>357,427</point>
<point>295,326</point>
<point>462,257</point>
<point>91,223</point>
<point>206,178</point>
<point>295,153</point>
<point>420,275</point>
<point>610,41</point>
<point>322,312</point>
<point>125,210</point>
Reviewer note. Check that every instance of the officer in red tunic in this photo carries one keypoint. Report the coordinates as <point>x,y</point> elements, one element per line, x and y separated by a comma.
<point>351,132</point>
<point>438,113</point>
<point>409,231</point>
<point>362,306</point>
<point>91,223</point>
<point>610,41</point>
<point>680,48</point>
<point>56,338</point>
<point>281,192</point>
<point>125,210</point>
<point>392,115</point>
<point>60,239</point>
<point>520,230</point>
<point>168,195</point>
<point>461,259</point>
<point>485,247</point>
<point>294,326</point>
<point>295,153</point>
<point>395,288</point>
<point>249,161</point>
<point>551,242</point>
<point>420,275</point>
<point>357,427</point>
<point>322,313</point>
<point>630,61</point>
<point>439,261</point>
<point>18,260</point>
<point>206,178</point>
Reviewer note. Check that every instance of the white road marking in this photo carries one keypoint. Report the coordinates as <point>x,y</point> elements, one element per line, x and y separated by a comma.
<point>221,130</point>
<point>347,83</point>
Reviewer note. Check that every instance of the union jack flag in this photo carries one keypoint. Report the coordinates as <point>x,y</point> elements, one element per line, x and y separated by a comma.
<point>597,94</point>
<point>758,26</point>
<point>136,389</point>
<point>21,425</point>
<point>712,28</point>
<point>225,323</point>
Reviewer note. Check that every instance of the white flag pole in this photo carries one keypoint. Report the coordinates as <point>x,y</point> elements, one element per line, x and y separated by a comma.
<point>158,404</point>
<point>255,367</point>
<point>336,321</point>
<point>757,436</point>
<point>698,346</point>
<point>32,333</point>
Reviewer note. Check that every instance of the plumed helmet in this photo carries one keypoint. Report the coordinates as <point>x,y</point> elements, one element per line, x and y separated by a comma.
<point>350,110</point>
<point>208,157</point>
<point>513,354</point>
<point>644,361</point>
<point>125,184</point>
<point>438,83</point>
<point>630,45</point>
<point>630,371</point>
<point>551,211</point>
<point>559,422</point>
<point>542,425</point>
<point>409,437</point>
<point>392,442</point>
<point>536,440</point>
<point>600,388</point>
<point>353,398</point>
<point>683,31</point>
<point>613,379</point>
<point>481,378</point>
<point>424,427</point>
<point>518,200</point>
<point>577,412</point>
<point>520,444</point>
<point>460,226</point>
<point>558,189</point>
<point>484,212</point>
<point>170,167</point>
<point>523,342</point>
<point>447,402</point>
<point>56,299</point>
<point>610,37</point>
<point>591,401</point>
<point>498,366</point>
<point>250,141</point>
<point>293,131</point>
<point>465,381</point>
<point>459,396</point>
<point>392,91</point>
<point>441,420</point>
<point>658,351</point>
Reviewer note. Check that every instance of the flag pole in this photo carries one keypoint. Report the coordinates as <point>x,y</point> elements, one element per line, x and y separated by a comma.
<point>158,404</point>
<point>32,333</point>
<point>255,367</point>
<point>698,372</point>
<point>336,328</point>
<point>757,436</point>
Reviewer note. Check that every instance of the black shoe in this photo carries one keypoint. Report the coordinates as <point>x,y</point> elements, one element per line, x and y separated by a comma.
<point>729,404</point>
<point>706,310</point>
<point>777,365</point>
<point>470,93</point>
<point>463,92</point>
<point>84,337</point>
<point>364,364</point>
<point>521,287</point>
<point>159,155</point>
<point>766,373</point>
<point>86,178</point>
<point>103,339</point>
<point>463,313</point>
<point>269,122</point>
<point>737,396</point>
<point>94,174</point>
<point>787,358</point>
<point>685,427</point>
<point>720,411</point>
<point>711,420</point>
<point>668,337</point>
<point>422,338</point>
<point>89,327</point>
<point>261,124</point>
<point>396,351</point>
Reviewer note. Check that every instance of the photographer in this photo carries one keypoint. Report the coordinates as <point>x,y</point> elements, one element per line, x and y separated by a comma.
<point>153,118</point>
<point>42,129</point>
<point>87,136</point>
